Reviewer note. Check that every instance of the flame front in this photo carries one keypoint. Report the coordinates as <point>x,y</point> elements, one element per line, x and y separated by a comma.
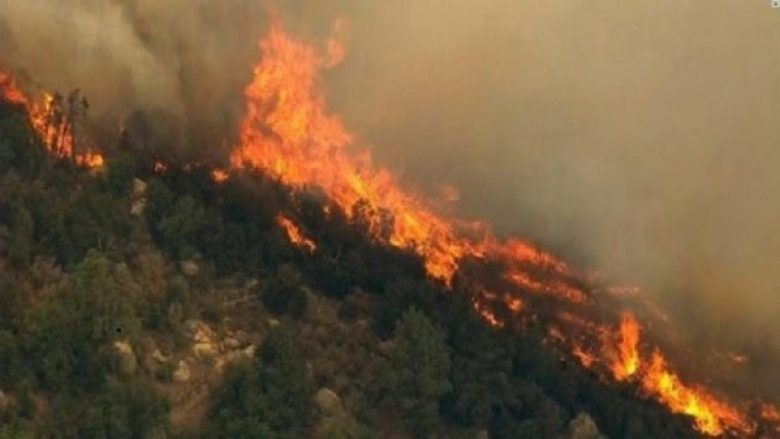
<point>712,416</point>
<point>50,118</point>
<point>627,362</point>
<point>288,133</point>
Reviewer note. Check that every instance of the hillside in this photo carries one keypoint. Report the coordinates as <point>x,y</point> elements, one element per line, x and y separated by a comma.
<point>148,301</point>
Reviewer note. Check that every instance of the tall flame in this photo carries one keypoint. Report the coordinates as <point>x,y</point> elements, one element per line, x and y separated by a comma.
<point>49,118</point>
<point>288,133</point>
<point>9,91</point>
<point>712,416</point>
<point>627,362</point>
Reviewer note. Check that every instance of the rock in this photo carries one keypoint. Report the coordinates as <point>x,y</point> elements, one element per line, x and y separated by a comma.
<point>139,187</point>
<point>182,373</point>
<point>231,343</point>
<point>249,351</point>
<point>190,268</point>
<point>583,427</point>
<point>128,363</point>
<point>204,339</point>
<point>243,337</point>
<point>159,356</point>
<point>191,326</point>
<point>138,207</point>
<point>328,401</point>
<point>272,322</point>
<point>205,349</point>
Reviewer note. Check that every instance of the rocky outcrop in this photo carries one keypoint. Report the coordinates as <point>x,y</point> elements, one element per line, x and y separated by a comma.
<point>128,362</point>
<point>190,268</point>
<point>584,427</point>
<point>204,339</point>
<point>328,402</point>
<point>138,198</point>
<point>182,374</point>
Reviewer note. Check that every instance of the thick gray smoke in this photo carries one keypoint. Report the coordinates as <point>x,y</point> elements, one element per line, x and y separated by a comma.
<point>640,138</point>
<point>173,70</point>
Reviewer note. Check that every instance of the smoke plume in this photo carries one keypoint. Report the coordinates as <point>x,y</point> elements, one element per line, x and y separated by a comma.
<point>637,138</point>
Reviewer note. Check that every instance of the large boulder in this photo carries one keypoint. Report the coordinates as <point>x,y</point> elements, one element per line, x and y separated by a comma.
<point>139,187</point>
<point>138,207</point>
<point>190,268</point>
<point>231,343</point>
<point>328,401</point>
<point>583,427</point>
<point>128,362</point>
<point>182,373</point>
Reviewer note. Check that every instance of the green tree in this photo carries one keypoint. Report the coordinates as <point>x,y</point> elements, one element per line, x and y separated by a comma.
<point>182,226</point>
<point>271,397</point>
<point>418,372</point>
<point>71,336</point>
<point>20,246</point>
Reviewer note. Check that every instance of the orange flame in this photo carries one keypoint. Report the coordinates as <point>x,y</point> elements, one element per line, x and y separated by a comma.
<point>771,414</point>
<point>159,167</point>
<point>288,133</point>
<point>219,175</point>
<point>586,358</point>
<point>50,121</point>
<point>488,315</point>
<point>711,415</point>
<point>295,235</point>
<point>9,91</point>
<point>627,362</point>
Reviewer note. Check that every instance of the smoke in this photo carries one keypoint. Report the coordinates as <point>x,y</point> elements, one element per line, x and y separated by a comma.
<point>638,138</point>
<point>171,70</point>
<point>641,139</point>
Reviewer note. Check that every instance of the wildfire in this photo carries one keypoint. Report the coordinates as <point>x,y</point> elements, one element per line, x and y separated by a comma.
<point>585,357</point>
<point>52,117</point>
<point>219,175</point>
<point>771,414</point>
<point>711,415</point>
<point>295,235</point>
<point>288,133</point>
<point>627,362</point>
<point>9,92</point>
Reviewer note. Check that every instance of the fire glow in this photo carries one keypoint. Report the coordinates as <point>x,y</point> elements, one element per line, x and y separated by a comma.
<point>627,362</point>
<point>295,235</point>
<point>288,132</point>
<point>49,118</point>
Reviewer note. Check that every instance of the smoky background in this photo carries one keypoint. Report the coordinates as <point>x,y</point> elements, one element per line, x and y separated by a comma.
<point>638,139</point>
